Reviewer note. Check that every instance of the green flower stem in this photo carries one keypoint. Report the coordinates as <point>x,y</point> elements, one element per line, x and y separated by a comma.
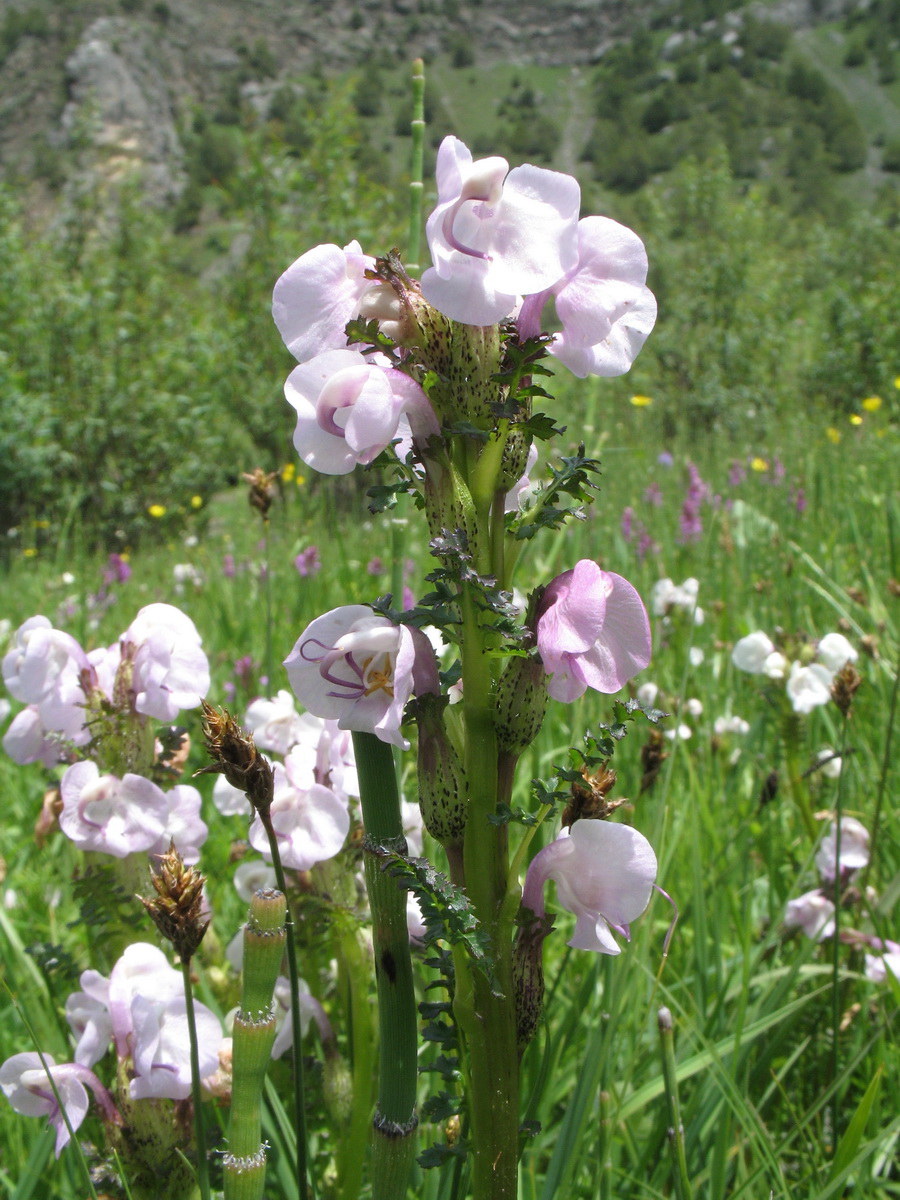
<point>296,1030</point>
<point>253,1037</point>
<point>836,1004</point>
<point>395,1115</point>
<point>491,1033</point>
<point>418,148</point>
<point>354,975</point>
<point>199,1136</point>
<point>676,1129</point>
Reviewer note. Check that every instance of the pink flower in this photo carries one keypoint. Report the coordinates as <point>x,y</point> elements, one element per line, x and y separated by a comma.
<point>812,912</point>
<point>604,874</point>
<point>359,669</point>
<point>24,1082</point>
<point>316,297</point>
<point>606,311</point>
<point>149,1022</point>
<point>496,234</point>
<point>592,631</point>
<point>171,672</point>
<point>854,849</point>
<point>311,822</point>
<point>183,824</point>
<point>349,410</point>
<point>115,816</point>
<point>33,668</point>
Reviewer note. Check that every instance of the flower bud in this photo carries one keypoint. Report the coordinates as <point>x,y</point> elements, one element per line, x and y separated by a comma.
<point>442,777</point>
<point>520,704</point>
<point>528,976</point>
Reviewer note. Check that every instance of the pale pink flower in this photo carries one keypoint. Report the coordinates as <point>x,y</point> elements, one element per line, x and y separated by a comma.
<point>812,912</point>
<point>115,816</point>
<point>170,670</point>
<point>604,874</point>
<point>854,854</point>
<point>317,295</point>
<point>311,823</point>
<point>605,308</point>
<point>592,631</point>
<point>183,824</point>
<point>349,410</point>
<point>496,234</point>
<point>24,1082</point>
<point>38,658</point>
<point>360,669</point>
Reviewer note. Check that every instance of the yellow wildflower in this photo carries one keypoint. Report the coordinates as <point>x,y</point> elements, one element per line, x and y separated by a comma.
<point>29,552</point>
<point>855,419</point>
<point>196,501</point>
<point>872,403</point>
<point>288,471</point>
<point>157,510</point>
<point>300,480</point>
<point>759,464</point>
<point>833,435</point>
<point>641,401</point>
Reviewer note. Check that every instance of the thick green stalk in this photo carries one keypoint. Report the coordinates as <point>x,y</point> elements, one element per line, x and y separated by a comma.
<point>490,1030</point>
<point>395,1115</point>
<point>253,1037</point>
<point>353,973</point>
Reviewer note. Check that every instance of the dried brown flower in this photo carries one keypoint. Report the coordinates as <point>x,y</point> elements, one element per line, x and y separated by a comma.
<point>177,908</point>
<point>235,756</point>
<point>262,490</point>
<point>844,688</point>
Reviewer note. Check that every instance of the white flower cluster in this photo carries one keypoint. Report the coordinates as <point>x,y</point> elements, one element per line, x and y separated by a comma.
<point>808,683</point>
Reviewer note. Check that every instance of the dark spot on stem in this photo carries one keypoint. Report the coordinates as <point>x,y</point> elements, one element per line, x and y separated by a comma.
<point>389,966</point>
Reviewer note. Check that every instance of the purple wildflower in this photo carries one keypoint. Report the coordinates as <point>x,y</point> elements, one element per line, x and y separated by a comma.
<point>228,566</point>
<point>307,561</point>
<point>665,459</point>
<point>375,566</point>
<point>737,474</point>
<point>116,570</point>
<point>627,520</point>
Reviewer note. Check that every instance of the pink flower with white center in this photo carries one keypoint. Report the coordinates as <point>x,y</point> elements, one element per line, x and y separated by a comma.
<point>808,687</point>
<point>115,816</point>
<point>496,234</point>
<point>317,295</point>
<point>854,853</point>
<point>183,824</point>
<point>24,1082</point>
<point>606,310</point>
<point>604,874</point>
<point>349,410</point>
<point>359,669</point>
<point>592,631</point>
<point>40,654</point>
<point>311,823</point>
<point>812,912</point>
<point>170,670</point>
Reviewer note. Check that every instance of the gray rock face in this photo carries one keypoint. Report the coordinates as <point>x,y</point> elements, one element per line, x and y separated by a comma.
<point>120,111</point>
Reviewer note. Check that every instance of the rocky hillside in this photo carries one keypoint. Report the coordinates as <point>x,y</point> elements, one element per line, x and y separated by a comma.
<point>111,83</point>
